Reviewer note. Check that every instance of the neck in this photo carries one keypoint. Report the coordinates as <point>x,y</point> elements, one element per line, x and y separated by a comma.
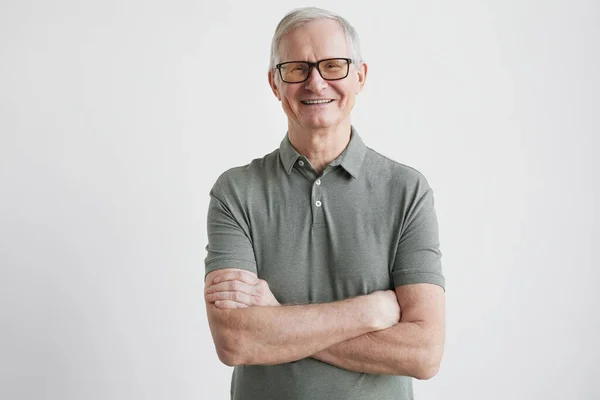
<point>320,146</point>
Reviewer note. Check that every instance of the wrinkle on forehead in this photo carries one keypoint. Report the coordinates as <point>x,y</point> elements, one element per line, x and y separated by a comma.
<point>312,41</point>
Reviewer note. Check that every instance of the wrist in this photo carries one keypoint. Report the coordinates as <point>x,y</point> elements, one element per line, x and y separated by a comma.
<point>323,355</point>
<point>367,312</point>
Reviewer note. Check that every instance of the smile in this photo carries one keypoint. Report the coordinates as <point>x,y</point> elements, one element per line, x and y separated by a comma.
<point>308,102</point>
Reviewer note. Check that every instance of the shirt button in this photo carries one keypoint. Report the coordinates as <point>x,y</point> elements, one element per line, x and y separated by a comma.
<point>318,203</point>
<point>318,182</point>
<point>301,163</point>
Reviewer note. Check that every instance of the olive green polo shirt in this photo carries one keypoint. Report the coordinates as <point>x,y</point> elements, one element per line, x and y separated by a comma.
<point>367,223</point>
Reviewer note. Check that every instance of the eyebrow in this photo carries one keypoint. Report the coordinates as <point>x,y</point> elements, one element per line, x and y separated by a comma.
<point>313,62</point>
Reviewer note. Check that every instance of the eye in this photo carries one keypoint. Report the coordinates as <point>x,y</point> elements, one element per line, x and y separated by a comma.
<point>299,68</point>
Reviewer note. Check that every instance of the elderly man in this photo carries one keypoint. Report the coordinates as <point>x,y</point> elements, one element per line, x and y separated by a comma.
<point>323,269</point>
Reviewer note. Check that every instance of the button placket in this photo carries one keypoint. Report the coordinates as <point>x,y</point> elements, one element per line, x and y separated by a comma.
<point>317,201</point>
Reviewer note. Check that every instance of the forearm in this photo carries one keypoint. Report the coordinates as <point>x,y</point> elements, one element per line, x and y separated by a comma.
<point>407,348</point>
<point>274,335</point>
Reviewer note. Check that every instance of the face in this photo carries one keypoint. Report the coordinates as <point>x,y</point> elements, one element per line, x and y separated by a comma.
<point>314,41</point>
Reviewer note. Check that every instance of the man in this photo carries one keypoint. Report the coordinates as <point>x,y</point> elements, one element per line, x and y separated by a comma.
<point>323,269</point>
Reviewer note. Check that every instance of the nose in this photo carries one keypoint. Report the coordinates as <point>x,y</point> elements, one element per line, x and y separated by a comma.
<point>315,82</point>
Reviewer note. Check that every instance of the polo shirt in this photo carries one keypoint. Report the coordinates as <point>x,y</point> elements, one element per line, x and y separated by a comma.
<point>366,223</point>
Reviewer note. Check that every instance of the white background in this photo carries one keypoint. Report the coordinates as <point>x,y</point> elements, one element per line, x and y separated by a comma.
<point>116,117</point>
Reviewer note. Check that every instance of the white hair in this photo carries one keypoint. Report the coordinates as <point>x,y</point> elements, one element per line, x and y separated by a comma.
<point>301,16</point>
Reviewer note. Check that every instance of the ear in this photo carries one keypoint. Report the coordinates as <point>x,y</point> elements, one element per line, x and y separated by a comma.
<point>273,85</point>
<point>362,76</point>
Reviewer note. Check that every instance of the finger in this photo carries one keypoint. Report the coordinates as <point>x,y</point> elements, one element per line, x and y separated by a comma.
<point>233,296</point>
<point>229,304</point>
<point>231,286</point>
<point>244,276</point>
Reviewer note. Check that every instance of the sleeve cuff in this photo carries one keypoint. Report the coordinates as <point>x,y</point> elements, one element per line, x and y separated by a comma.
<point>407,278</point>
<point>222,264</point>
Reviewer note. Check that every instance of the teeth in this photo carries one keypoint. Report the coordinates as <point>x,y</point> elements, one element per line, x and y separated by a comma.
<point>316,101</point>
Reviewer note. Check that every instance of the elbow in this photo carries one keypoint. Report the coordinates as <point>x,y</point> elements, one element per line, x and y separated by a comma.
<point>425,372</point>
<point>230,350</point>
<point>227,357</point>
<point>429,362</point>
<point>228,341</point>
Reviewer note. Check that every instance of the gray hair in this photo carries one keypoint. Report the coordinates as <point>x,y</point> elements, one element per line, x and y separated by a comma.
<point>301,16</point>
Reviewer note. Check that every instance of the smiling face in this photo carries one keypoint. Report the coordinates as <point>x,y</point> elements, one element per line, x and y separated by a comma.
<point>317,104</point>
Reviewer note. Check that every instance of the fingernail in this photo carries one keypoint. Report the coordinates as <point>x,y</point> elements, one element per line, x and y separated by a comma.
<point>216,280</point>
<point>217,303</point>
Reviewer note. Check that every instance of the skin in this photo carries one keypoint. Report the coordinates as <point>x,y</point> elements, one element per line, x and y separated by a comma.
<point>239,289</point>
<point>246,335</point>
<point>411,342</point>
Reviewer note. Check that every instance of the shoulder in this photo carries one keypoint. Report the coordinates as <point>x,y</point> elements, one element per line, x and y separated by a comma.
<point>395,175</point>
<point>241,179</point>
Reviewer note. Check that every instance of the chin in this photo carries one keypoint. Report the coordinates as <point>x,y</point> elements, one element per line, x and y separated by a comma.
<point>318,123</point>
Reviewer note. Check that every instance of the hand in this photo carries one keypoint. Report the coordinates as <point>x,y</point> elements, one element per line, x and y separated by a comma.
<point>385,308</point>
<point>239,289</point>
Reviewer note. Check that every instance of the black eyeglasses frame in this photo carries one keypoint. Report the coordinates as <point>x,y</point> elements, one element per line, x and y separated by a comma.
<point>315,64</point>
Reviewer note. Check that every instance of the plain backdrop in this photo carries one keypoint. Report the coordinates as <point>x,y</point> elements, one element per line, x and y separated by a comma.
<point>116,117</point>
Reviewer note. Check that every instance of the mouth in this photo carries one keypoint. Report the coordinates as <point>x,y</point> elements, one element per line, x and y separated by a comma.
<point>316,101</point>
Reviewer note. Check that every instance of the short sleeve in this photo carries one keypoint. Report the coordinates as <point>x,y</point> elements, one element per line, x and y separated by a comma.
<point>418,256</point>
<point>229,244</point>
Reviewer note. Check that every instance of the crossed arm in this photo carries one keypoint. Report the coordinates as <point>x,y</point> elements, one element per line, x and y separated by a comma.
<point>249,326</point>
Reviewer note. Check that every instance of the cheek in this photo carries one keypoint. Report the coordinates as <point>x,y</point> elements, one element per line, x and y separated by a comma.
<point>289,103</point>
<point>347,100</point>
<point>347,93</point>
<point>288,95</point>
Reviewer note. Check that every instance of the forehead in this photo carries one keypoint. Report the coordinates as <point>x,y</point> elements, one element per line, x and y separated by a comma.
<point>314,40</point>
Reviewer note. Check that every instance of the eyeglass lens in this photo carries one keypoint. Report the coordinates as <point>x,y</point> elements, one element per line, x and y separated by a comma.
<point>329,69</point>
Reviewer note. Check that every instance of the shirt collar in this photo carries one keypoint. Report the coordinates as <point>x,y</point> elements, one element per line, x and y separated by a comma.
<point>351,158</point>
<point>287,154</point>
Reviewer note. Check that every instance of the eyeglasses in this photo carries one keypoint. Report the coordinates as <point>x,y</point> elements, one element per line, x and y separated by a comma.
<point>330,69</point>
